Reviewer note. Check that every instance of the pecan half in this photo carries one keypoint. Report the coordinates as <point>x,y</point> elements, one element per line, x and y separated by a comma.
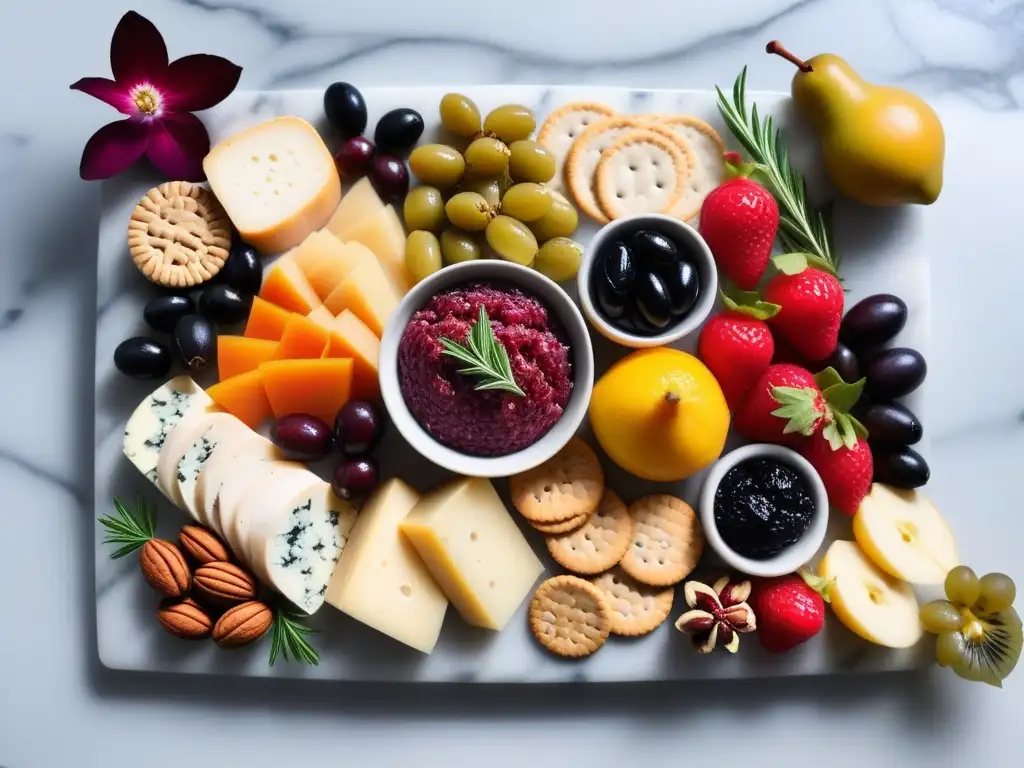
<point>202,546</point>
<point>243,624</point>
<point>164,568</point>
<point>185,619</point>
<point>225,583</point>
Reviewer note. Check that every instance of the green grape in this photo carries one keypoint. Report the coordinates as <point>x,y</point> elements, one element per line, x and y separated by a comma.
<point>422,254</point>
<point>488,187</point>
<point>511,240</point>
<point>526,201</point>
<point>949,649</point>
<point>459,115</point>
<point>424,209</point>
<point>997,594</point>
<point>437,164</point>
<point>560,221</point>
<point>486,157</point>
<point>458,246</point>
<point>511,122</point>
<point>469,211</point>
<point>940,616</point>
<point>530,161</point>
<point>559,259</point>
<point>962,586</point>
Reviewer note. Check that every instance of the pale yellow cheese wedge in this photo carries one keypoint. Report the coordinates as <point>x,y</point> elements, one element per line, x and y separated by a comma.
<point>384,235</point>
<point>368,293</point>
<point>326,261</point>
<point>360,203</point>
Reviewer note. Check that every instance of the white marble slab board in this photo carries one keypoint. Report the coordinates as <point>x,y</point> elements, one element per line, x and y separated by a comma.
<point>883,251</point>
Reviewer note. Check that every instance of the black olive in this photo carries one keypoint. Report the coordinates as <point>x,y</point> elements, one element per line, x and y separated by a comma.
<point>653,249</point>
<point>243,270</point>
<point>845,363</point>
<point>899,467</point>
<point>619,268</point>
<point>683,284</point>
<point>224,305</point>
<point>890,423</point>
<point>652,299</point>
<point>873,321</point>
<point>345,109</point>
<point>196,341</point>
<point>142,358</point>
<point>398,130</point>
<point>634,321</point>
<point>893,373</point>
<point>164,312</point>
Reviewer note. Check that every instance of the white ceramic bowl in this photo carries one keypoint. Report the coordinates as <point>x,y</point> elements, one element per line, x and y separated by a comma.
<point>789,559</point>
<point>582,356</point>
<point>680,232</point>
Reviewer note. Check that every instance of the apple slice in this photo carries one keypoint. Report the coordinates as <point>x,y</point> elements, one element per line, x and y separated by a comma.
<point>867,600</point>
<point>904,534</point>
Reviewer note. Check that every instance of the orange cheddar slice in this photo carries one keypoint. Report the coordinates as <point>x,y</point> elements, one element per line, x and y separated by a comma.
<point>383,234</point>
<point>302,338</point>
<point>266,320</point>
<point>243,397</point>
<point>368,293</point>
<point>351,338</point>
<point>361,202</point>
<point>326,261</point>
<point>286,286</point>
<point>316,387</point>
<point>237,355</point>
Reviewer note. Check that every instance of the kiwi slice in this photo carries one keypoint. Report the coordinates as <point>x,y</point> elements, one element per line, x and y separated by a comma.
<point>985,649</point>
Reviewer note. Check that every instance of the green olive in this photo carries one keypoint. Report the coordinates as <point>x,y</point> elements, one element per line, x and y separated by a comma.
<point>559,259</point>
<point>424,209</point>
<point>422,254</point>
<point>526,201</point>
<point>458,246</point>
<point>469,211</point>
<point>460,115</point>
<point>560,221</point>
<point>437,164</point>
<point>486,157</point>
<point>511,122</point>
<point>489,187</point>
<point>530,161</point>
<point>511,240</point>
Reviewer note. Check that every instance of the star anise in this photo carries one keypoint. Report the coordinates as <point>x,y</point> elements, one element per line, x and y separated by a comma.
<point>718,614</point>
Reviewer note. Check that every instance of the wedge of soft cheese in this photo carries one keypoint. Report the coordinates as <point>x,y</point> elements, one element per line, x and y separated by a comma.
<point>326,261</point>
<point>277,182</point>
<point>383,234</point>
<point>368,293</point>
<point>381,581</point>
<point>474,550</point>
<point>361,202</point>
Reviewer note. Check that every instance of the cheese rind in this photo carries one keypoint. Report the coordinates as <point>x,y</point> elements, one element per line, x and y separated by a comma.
<point>219,429</point>
<point>362,202</point>
<point>381,581</point>
<point>474,550</point>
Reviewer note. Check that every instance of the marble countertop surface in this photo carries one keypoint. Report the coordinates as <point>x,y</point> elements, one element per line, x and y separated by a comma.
<point>58,705</point>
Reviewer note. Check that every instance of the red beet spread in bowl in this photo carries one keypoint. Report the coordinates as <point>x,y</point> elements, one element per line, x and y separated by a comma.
<point>444,401</point>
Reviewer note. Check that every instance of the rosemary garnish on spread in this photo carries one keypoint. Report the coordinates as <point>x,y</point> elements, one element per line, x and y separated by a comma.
<point>485,357</point>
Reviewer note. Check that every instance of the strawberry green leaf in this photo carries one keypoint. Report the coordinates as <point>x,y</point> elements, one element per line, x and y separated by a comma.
<point>859,429</point>
<point>819,584</point>
<point>749,303</point>
<point>819,263</point>
<point>790,263</point>
<point>842,397</point>
<point>799,408</point>
<point>828,378</point>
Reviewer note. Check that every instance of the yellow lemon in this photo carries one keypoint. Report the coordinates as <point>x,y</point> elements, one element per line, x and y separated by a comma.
<point>660,414</point>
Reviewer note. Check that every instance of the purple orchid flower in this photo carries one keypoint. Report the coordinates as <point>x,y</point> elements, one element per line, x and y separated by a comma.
<point>159,98</point>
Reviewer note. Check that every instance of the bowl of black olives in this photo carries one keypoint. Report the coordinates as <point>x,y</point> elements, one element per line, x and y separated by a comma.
<point>647,280</point>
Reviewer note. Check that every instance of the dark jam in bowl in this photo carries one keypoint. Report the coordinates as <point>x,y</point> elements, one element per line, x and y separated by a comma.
<point>762,506</point>
<point>444,401</point>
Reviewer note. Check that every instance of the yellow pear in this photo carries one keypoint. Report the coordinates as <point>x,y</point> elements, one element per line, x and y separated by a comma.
<point>881,145</point>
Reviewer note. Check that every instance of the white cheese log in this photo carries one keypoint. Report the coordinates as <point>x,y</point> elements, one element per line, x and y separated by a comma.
<point>221,429</point>
<point>222,465</point>
<point>178,442</point>
<point>240,476</point>
<point>291,476</point>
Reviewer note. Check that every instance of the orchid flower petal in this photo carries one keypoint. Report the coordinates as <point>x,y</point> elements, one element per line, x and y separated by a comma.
<point>113,149</point>
<point>197,82</point>
<point>137,51</point>
<point>107,91</point>
<point>177,146</point>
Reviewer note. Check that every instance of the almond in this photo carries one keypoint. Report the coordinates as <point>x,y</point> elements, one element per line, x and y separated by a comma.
<point>185,619</point>
<point>202,546</point>
<point>225,582</point>
<point>243,624</point>
<point>164,568</point>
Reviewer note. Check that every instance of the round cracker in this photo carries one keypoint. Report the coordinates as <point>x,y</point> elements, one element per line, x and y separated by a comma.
<point>557,529</point>
<point>585,156</point>
<point>642,172</point>
<point>561,128</point>
<point>709,172</point>
<point>570,616</point>
<point>567,485</point>
<point>637,609</point>
<point>599,543</point>
<point>668,541</point>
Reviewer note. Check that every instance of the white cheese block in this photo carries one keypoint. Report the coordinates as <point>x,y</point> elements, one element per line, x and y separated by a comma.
<point>276,180</point>
<point>221,429</point>
<point>237,475</point>
<point>381,581</point>
<point>156,417</point>
<point>221,464</point>
<point>181,438</point>
<point>279,481</point>
<point>295,540</point>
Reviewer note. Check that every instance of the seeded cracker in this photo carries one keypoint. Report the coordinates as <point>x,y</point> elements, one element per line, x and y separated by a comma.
<point>668,541</point>
<point>567,485</point>
<point>600,543</point>
<point>570,617</point>
<point>709,170</point>
<point>562,127</point>
<point>641,172</point>
<point>636,609</point>
<point>585,155</point>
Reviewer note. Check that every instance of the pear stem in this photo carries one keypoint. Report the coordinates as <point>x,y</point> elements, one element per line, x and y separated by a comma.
<point>672,397</point>
<point>777,48</point>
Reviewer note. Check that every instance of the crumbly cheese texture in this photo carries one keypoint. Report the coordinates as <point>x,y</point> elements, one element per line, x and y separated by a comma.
<point>474,550</point>
<point>381,581</point>
<point>156,417</point>
<point>265,492</point>
<point>276,180</point>
<point>220,429</point>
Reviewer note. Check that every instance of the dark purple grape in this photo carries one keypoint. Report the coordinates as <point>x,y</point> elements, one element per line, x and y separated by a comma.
<point>142,358</point>
<point>345,109</point>
<point>873,321</point>
<point>358,428</point>
<point>683,284</point>
<point>390,177</point>
<point>652,300</point>
<point>890,424</point>
<point>845,363</point>
<point>195,338</point>
<point>653,249</point>
<point>355,156</point>
<point>354,478</point>
<point>302,436</point>
<point>243,270</point>
<point>398,130</point>
<point>893,373</point>
<point>899,467</point>
<point>163,312</point>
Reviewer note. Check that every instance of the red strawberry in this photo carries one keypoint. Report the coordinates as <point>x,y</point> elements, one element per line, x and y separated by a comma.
<point>790,610</point>
<point>737,346</point>
<point>812,308</point>
<point>738,220</point>
<point>845,470</point>
<point>758,419</point>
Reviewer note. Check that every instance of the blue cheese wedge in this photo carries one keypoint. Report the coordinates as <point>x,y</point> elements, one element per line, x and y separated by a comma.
<point>189,430</point>
<point>219,429</point>
<point>156,417</point>
<point>225,463</point>
<point>271,488</point>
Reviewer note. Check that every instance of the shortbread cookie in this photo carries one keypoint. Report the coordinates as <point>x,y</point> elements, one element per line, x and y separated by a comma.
<point>570,616</point>
<point>709,170</point>
<point>567,485</point>
<point>585,155</point>
<point>556,529</point>
<point>179,235</point>
<point>563,126</point>
<point>636,608</point>
<point>599,543</point>
<point>668,541</point>
<point>641,172</point>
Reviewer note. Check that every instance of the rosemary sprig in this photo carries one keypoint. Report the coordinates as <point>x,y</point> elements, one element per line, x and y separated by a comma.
<point>130,529</point>
<point>485,357</point>
<point>802,227</point>
<point>288,640</point>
